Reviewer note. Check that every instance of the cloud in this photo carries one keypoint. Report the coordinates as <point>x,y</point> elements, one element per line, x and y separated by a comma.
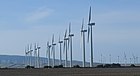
<point>38,14</point>
<point>119,17</point>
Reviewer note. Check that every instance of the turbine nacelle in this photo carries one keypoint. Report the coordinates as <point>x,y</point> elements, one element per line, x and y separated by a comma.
<point>71,35</point>
<point>38,47</point>
<point>53,44</point>
<point>60,42</point>
<point>83,30</point>
<point>90,24</point>
<point>66,38</point>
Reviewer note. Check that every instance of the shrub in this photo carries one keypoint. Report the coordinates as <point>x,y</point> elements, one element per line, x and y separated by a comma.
<point>76,66</point>
<point>100,66</point>
<point>107,65</point>
<point>115,65</point>
<point>47,66</point>
<point>132,65</point>
<point>28,67</point>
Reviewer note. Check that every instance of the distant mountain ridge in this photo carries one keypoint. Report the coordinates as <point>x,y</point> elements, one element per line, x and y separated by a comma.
<point>15,61</point>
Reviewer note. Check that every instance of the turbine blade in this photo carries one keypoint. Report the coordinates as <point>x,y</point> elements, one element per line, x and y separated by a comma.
<point>35,46</point>
<point>52,50</point>
<point>53,39</point>
<point>64,47</point>
<point>48,44</point>
<point>59,38</point>
<point>88,33</point>
<point>25,50</point>
<point>82,26</point>
<point>89,15</point>
<point>69,28</point>
<point>47,47</point>
<point>68,43</point>
<point>28,47</point>
<point>65,34</point>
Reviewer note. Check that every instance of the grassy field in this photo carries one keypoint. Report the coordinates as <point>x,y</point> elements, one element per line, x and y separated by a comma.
<point>72,72</point>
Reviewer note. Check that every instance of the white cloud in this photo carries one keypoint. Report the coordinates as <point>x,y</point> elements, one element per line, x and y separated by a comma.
<point>38,14</point>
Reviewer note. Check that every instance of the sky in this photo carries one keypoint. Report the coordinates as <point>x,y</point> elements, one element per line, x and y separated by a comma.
<point>116,31</point>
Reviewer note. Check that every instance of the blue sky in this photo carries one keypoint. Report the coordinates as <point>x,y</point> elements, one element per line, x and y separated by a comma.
<point>28,21</point>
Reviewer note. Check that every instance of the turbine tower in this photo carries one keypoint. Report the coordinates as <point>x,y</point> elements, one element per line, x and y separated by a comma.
<point>48,52</point>
<point>53,50</point>
<point>65,47</point>
<point>70,40</point>
<point>91,40</point>
<point>60,42</point>
<point>83,41</point>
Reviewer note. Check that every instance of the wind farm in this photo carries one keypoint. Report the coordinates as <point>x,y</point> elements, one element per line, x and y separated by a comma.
<point>70,39</point>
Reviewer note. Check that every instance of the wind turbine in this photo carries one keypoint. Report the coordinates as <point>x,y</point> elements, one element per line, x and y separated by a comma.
<point>101,59</point>
<point>26,54</point>
<point>30,51</point>
<point>53,50</point>
<point>118,59</point>
<point>65,47</point>
<point>38,56</point>
<point>35,55</point>
<point>48,52</point>
<point>134,58</point>
<point>60,42</point>
<point>125,59</point>
<point>83,39</point>
<point>90,32</point>
<point>110,58</point>
<point>70,40</point>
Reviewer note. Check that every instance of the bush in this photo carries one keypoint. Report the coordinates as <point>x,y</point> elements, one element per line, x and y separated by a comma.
<point>59,66</point>
<point>100,66</point>
<point>132,65</point>
<point>115,65</point>
<point>47,66</point>
<point>76,66</point>
<point>107,65</point>
<point>28,67</point>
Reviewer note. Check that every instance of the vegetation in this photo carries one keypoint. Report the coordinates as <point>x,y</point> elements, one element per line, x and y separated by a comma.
<point>76,66</point>
<point>47,66</point>
<point>29,67</point>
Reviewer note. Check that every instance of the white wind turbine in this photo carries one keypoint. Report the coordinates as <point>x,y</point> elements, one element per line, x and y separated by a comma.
<point>70,41</point>
<point>26,55</point>
<point>60,42</point>
<point>65,47</point>
<point>48,52</point>
<point>53,50</point>
<point>38,56</point>
<point>35,55</point>
<point>83,41</point>
<point>30,51</point>
<point>90,25</point>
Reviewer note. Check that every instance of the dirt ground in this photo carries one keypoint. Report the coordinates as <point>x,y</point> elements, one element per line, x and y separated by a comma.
<point>72,72</point>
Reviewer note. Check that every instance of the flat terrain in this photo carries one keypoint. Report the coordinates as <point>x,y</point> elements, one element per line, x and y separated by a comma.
<point>72,72</point>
